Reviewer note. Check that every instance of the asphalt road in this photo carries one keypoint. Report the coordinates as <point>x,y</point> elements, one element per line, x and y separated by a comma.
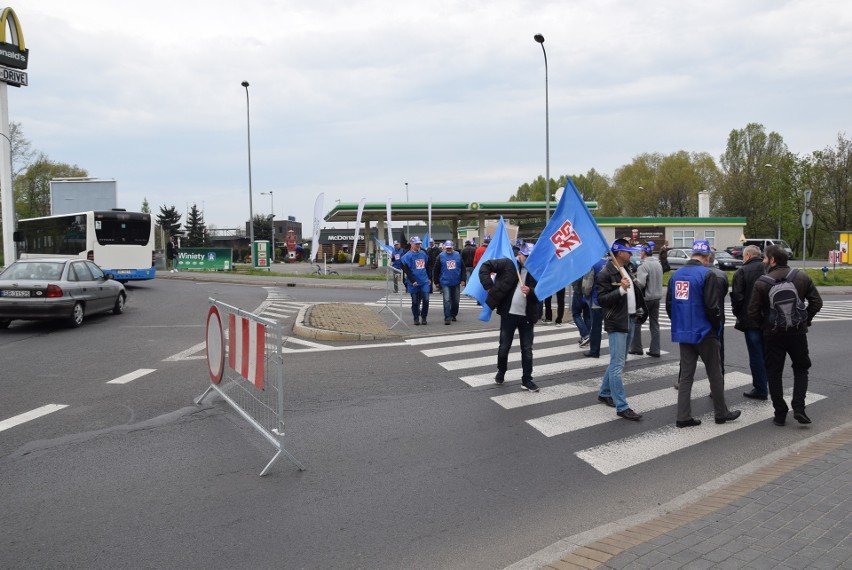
<point>408,466</point>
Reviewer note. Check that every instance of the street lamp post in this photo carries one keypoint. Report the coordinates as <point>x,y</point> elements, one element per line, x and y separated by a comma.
<point>251,209</point>
<point>779,197</point>
<point>540,39</point>
<point>272,221</point>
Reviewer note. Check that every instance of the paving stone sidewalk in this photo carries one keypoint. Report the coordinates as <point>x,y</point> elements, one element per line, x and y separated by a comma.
<point>794,512</point>
<point>344,321</point>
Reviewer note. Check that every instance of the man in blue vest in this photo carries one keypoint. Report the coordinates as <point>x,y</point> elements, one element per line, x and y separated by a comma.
<point>415,265</point>
<point>448,273</point>
<point>694,305</point>
<point>396,263</point>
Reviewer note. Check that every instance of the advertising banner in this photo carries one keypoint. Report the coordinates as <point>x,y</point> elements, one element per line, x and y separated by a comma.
<point>206,258</point>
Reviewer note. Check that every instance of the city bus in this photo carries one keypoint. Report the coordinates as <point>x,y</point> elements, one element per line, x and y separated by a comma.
<point>120,242</point>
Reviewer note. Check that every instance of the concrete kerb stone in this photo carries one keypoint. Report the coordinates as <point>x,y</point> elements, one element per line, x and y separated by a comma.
<point>324,321</point>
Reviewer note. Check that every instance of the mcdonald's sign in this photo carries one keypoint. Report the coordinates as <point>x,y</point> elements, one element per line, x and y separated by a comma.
<point>13,53</point>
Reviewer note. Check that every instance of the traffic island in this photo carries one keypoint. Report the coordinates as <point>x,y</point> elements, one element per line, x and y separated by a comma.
<point>342,321</point>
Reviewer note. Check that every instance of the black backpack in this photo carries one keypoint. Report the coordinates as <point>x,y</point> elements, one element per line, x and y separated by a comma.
<point>786,310</point>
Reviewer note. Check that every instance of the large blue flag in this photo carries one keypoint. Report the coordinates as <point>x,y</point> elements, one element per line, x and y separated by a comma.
<point>569,245</point>
<point>500,246</point>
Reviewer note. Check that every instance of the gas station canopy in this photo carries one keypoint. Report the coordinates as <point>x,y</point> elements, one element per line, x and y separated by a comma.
<point>453,211</point>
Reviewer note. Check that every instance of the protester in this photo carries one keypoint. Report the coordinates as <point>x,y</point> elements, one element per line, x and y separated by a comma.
<point>467,253</point>
<point>396,263</point>
<point>433,252</point>
<point>620,298</point>
<point>741,290</point>
<point>481,249</point>
<point>649,276</point>
<point>580,311</point>
<point>664,257</point>
<point>595,312</point>
<point>694,305</point>
<point>560,308</point>
<point>722,277</point>
<point>785,332</point>
<point>448,274</point>
<point>512,293</point>
<point>415,267</point>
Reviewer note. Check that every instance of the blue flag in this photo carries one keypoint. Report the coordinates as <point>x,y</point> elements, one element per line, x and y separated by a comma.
<point>569,245</point>
<point>500,246</point>
<point>385,246</point>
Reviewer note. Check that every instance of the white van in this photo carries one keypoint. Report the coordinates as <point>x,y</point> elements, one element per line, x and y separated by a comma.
<point>763,243</point>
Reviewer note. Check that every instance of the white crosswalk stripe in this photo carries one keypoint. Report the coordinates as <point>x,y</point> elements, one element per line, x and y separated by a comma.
<point>558,360</point>
<point>279,306</point>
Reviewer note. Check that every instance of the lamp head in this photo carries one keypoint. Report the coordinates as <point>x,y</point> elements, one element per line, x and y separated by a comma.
<point>539,38</point>
<point>245,84</point>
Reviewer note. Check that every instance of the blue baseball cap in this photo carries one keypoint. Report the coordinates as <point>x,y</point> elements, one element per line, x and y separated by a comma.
<point>701,246</point>
<point>415,239</point>
<point>519,242</point>
<point>647,248</point>
<point>449,244</point>
<point>487,238</point>
<point>526,249</point>
<point>622,245</point>
<point>396,242</point>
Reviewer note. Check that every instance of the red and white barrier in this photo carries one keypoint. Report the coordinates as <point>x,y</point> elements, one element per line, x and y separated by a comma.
<point>247,348</point>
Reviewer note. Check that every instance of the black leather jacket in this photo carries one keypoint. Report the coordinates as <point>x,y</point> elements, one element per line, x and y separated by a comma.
<point>741,289</point>
<point>502,288</point>
<point>613,303</point>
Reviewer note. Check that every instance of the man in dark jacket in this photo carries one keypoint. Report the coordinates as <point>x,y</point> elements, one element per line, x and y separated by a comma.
<point>467,253</point>
<point>741,289</point>
<point>778,344</point>
<point>694,303</point>
<point>518,307</point>
<point>622,304</point>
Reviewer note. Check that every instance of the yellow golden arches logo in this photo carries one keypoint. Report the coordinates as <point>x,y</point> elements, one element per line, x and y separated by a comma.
<point>13,53</point>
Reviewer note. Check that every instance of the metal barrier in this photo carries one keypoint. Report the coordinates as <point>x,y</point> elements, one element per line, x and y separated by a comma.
<point>394,278</point>
<point>246,368</point>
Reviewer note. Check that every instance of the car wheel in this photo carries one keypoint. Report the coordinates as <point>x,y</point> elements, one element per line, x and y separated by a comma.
<point>77,315</point>
<point>118,308</point>
<point>4,323</point>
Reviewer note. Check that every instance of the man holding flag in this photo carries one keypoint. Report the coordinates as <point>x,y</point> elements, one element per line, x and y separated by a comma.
<point>414,265</point>
<point>511,293</point>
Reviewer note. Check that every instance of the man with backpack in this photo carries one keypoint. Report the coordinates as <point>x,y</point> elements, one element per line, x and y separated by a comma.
<point>785,301</point>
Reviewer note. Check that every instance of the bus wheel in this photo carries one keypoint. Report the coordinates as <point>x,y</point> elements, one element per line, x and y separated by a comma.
<point>76,316</point>
<point>118,308</point>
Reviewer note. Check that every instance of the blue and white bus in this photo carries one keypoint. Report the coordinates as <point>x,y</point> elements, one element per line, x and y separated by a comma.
<point>120,242</point>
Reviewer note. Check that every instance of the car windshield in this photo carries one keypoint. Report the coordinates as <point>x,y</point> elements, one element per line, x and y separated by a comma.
<point>33,271</point>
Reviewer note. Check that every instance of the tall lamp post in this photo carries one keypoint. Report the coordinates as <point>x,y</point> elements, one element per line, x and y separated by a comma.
<point>779,197</point>
<point>251,209</point>
<point>271,221</point>
<point>540,39</point>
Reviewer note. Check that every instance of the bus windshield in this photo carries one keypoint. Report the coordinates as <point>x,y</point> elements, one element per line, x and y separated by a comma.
<point>122,228</point>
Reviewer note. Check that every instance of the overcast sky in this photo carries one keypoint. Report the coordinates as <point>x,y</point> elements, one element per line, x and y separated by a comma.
<point>355,98</point>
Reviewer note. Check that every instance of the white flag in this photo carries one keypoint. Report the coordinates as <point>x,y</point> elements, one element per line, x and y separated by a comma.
<point>430,219</point>
<point>317,225</point>
<point>390,231</point>
<point>357,226</point>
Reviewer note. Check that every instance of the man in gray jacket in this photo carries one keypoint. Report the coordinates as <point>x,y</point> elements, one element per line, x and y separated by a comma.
<point>649,277</point>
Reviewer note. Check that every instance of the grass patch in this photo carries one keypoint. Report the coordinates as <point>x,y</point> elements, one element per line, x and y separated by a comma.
<point>841,276</point>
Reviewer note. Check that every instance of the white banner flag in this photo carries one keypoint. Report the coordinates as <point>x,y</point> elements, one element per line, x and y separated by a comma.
<point>390,231</point>
<point>430,219</point>
<point>317,225</point>
<point>358,226</point>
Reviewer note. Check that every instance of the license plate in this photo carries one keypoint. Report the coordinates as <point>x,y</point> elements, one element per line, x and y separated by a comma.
<point>13,293</point>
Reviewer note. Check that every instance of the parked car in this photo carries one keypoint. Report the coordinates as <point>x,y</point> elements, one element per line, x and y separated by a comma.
<point>727,261</point>
<point>735,250</point>
<point>679,256</point>
<point>69,289</point>
<point>763,243</point>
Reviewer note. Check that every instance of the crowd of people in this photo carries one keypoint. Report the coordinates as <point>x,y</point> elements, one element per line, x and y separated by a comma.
<point>774,306</point>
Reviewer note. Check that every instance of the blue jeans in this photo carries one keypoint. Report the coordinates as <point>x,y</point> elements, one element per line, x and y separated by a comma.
<point>420,296</point>
<point>612,384</point>
<point>595,332</point>
<point>451,294</point>
<point>508,324</point>
<point>754,344</point>
<point>580,314</point>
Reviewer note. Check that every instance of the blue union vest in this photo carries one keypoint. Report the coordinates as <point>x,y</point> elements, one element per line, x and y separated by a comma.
<point>689,323</point>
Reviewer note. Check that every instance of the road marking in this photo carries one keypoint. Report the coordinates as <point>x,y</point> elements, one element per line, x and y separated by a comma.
<point>132,376</point>
<point>489,346</point>
<point>590,385</point>
<point>187,354</point>
<point>631,451</point>
<point>581,418</point>
<point>31,415</point>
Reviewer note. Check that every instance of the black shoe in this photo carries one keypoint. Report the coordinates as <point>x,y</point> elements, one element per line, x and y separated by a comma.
<point>801,417</point>
<point>424,322</point>
<point>607,400</point>
<point>636,352</point>
<point>499,377</point>
<point>731,416</point>
<point>779,421</point>
<point>529,385</point>
<point>416,322</point>
<point>454,318</point>
<point>629,414</point>
<point>590,355</point>
<point>688,423</point>
<point>446,321</point>
<point>649,353</point>
<point>755,395</point>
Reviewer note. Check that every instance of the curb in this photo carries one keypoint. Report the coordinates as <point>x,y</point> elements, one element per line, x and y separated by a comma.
<point>303,330</point>
<point>575,551</point>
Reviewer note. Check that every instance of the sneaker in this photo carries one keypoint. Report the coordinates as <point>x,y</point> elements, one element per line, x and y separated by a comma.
<point>606,400</point>
<point>546,321</point>
<point>584,341</point>
<point>416,322</point>
<point>424,322</point>
<point>557,324</point>
<point>447,321</point>
<point>454,318</point>
<point>529,385</point>
<point>499,377</point>
<point>629,414</point>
